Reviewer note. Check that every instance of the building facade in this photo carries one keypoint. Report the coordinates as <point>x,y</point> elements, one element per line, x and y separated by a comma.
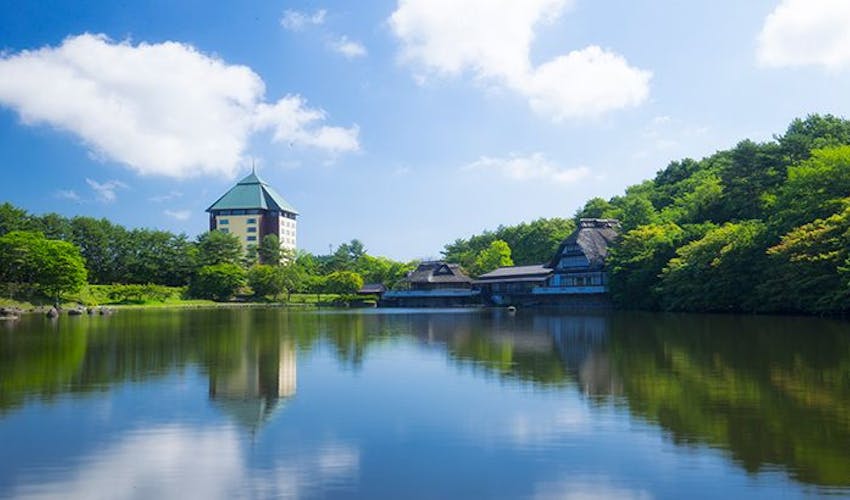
<point>576,276</point>
<point>578,267</point>
<point>251,210</point>
<point>433,284</point>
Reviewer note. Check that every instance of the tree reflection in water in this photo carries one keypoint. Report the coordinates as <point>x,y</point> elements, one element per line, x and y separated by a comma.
<point>770,391</point>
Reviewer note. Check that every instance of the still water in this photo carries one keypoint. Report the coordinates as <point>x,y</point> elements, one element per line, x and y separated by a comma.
<point>256,403</point>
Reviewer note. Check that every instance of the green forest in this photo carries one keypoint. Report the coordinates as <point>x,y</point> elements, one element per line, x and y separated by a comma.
<point>46,257</point>
<point>760,227</point>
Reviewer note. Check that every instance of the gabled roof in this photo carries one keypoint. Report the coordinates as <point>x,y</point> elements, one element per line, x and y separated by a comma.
<point>438,272</point>
<point>593,237</point>
<point>514,272</point>
<point>252,193</point>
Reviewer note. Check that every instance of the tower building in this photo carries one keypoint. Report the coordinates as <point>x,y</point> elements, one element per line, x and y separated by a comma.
<point>251,210</point>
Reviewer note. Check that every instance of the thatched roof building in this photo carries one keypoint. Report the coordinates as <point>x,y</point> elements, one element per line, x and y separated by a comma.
<point>436,275</point>
<point>587,246</point>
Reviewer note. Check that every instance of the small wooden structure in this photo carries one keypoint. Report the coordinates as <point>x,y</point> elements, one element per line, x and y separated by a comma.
<point>434,284</point>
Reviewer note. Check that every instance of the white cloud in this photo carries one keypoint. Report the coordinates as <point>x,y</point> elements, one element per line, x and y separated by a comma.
<point>181,462</point>
<point>586,82</point>
<point>492,39</point>
<point>294,123</point>
<point>68,194</point>
<point>806,32</point>
<point>171,195</point>
<point>587,488</point>
<point>527,168</point>
<point>295,20</point>
<point>348,48</point>
<point>178,214</point>
<point>161,109</point>
<point>105,191</point>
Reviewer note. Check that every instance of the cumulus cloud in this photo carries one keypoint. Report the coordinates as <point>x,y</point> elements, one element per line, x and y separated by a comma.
<point>585,82</point>
<point>492,39</point>
<point>806,32</point>
<point>293,122</point>
<point>105,191</point>
<point>161,109</point>
<point>347,48</point>
<point>527,168</point>
<point>178,214</point>
<point>295,20</point>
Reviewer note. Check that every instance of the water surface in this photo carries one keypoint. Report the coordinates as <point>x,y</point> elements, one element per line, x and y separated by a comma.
<point>257,403</point>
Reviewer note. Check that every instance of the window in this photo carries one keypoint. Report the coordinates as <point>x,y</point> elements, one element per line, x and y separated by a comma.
<point>252,229</point>
<point>251,238</point>
<point>252,221</point>
<point>223,222</point>
<point>573,261</point>
<point>224,230</point>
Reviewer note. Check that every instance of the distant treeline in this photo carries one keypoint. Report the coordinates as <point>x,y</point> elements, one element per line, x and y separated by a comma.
<point>211,266</point>
<point>761,227</point>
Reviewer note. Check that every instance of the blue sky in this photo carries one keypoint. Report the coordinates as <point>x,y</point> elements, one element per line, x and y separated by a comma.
<point>406,124</point>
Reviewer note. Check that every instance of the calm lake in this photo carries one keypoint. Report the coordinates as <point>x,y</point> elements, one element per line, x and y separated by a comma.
<point>256,403</point>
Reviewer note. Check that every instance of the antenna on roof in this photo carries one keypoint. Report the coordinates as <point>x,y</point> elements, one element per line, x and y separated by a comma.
<point>253,166</point>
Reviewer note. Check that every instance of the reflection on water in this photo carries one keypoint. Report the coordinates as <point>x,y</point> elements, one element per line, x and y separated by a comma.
<point>263,378</point>
<point>142,404</point>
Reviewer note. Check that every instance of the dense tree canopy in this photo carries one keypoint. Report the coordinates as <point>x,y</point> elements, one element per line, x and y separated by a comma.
<point>758,227</point>
<point>497,254</point>
<point>530,243</point>
<point>51,267</point>
<point>343,282</point>
<point>218,281</point>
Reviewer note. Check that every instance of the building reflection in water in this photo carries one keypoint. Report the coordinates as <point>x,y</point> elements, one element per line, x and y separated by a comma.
<point>261,380</point>
<point>544,349</point>
<point>583,344</point>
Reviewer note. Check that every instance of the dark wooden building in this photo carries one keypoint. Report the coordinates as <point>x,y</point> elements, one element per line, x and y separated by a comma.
<point>576,275</point>
<point>434,284</point>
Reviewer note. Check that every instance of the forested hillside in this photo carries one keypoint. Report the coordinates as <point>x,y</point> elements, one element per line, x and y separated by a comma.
<point>759,227</point>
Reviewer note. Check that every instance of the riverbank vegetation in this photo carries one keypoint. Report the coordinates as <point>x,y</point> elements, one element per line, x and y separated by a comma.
<point>760,227</point>
<point>46,259</point>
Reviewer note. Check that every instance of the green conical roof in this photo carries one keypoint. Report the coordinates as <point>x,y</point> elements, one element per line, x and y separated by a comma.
<point>252,193</point>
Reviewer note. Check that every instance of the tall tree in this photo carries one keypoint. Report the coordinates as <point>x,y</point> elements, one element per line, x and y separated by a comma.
<point>53,267</point>
<point>217,247</point>
<point>63,271</point>
<point>217,281</point>
<point>498,254</point>
<point>269,250</point>
<point>12,218</point>
<point>636,262</point>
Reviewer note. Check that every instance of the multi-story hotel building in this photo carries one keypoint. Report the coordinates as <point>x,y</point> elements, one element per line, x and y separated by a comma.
<point>251,210</point>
